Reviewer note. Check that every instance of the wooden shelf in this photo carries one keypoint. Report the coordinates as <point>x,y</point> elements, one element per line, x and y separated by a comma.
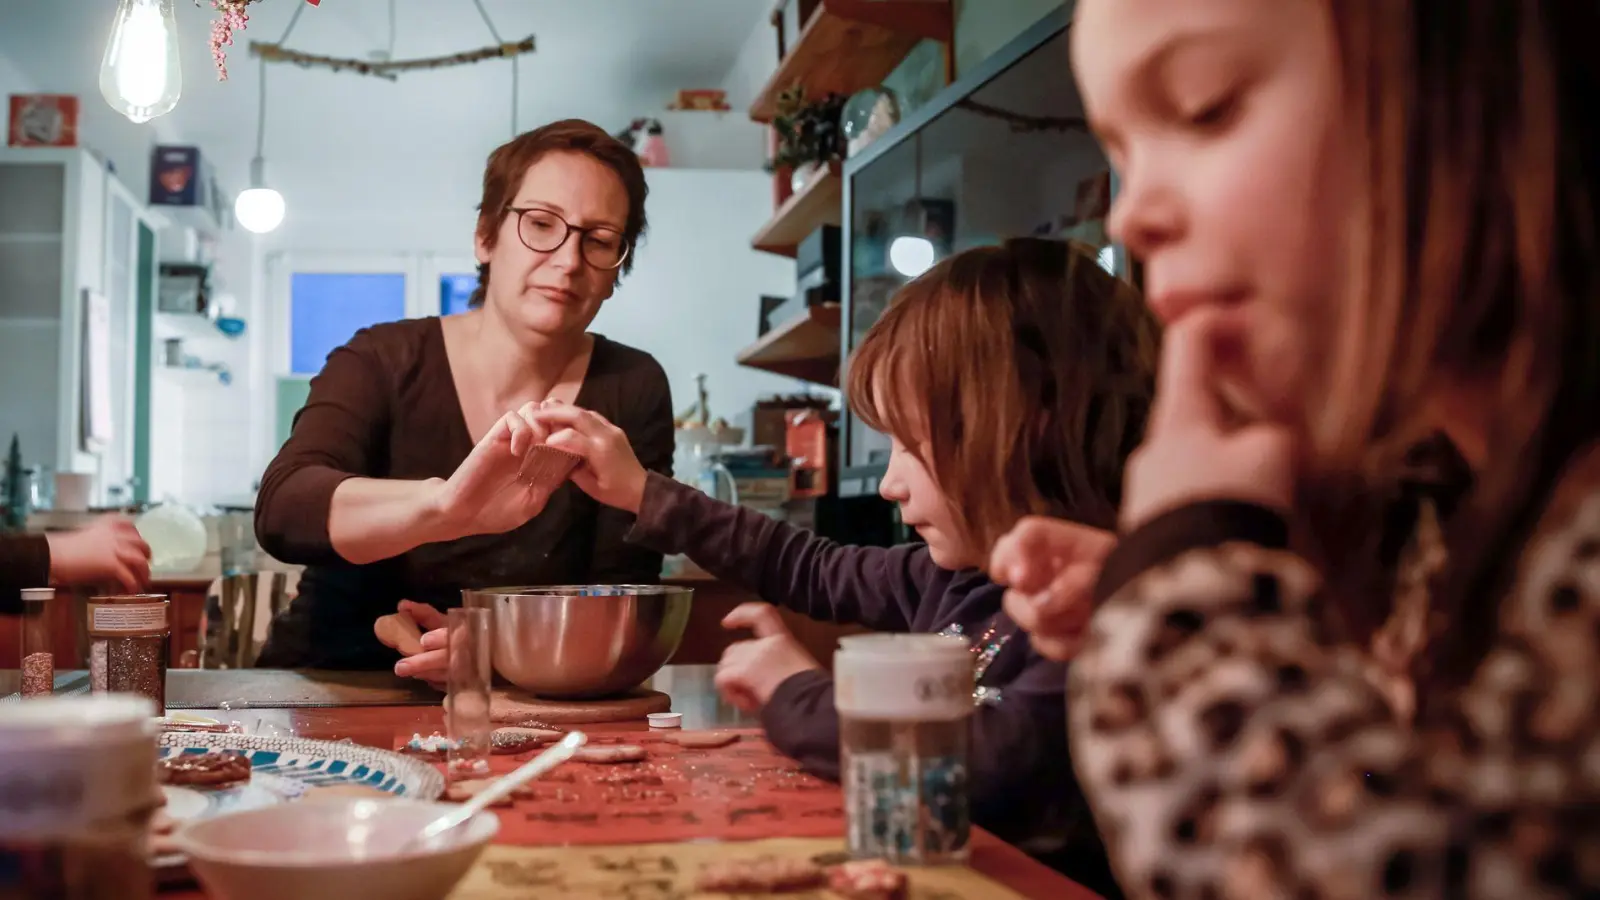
<point>815,205</point>
<point>805,347</point>
<point>852,44</point>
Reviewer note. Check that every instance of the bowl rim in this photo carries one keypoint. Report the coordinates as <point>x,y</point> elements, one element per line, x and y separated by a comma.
<point>187,844</point>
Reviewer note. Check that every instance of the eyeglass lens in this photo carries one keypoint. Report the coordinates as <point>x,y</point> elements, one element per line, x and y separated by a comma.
<point>544,232</point>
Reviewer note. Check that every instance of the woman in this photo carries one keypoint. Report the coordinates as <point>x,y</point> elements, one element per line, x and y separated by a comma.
<point>1367,223</point>
<point>400,480</point>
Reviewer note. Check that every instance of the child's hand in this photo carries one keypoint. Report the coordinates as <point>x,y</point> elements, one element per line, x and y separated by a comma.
<point>751,670</point>
<point>1050,567</point>
<point>108,550</point>
<point>610,472</point>
<point>1190,452</point>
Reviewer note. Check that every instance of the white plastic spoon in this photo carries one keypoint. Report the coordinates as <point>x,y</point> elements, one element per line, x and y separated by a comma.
<point>553,756</point>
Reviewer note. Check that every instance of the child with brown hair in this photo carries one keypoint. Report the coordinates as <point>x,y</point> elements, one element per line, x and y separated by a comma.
<point>1014,381</point>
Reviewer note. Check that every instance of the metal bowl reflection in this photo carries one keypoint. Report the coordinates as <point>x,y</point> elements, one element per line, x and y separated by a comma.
<point>583,641</point>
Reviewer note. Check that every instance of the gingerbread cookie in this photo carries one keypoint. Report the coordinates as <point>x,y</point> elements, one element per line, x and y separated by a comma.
<point>613,753</point>
<point>760,875</point>
<point>867,879</point>
<point>214,769</point>
<point>702,740</point>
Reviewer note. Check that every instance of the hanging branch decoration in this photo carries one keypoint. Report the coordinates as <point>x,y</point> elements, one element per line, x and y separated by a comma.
<point>389,70</point>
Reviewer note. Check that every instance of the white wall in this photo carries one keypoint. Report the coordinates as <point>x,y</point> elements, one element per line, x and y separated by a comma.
<point>693,299</point>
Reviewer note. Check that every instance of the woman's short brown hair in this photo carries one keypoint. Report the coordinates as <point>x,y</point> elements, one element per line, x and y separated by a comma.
<point>511,161</point>
<point>1027,369</point>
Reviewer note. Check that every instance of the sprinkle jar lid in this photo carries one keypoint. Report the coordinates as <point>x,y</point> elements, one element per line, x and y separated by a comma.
<point>665,720</point>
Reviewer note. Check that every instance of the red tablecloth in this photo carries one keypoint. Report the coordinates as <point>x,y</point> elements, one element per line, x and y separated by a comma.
<point>744,791</point>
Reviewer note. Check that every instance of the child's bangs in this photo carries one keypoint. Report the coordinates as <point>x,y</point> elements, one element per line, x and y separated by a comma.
<point>886,374</point>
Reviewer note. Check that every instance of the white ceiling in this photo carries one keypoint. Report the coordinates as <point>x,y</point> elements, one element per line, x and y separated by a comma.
<point>604,60</point>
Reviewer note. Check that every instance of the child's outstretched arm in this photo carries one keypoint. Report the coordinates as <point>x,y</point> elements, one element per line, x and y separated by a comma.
<point>871,586</point>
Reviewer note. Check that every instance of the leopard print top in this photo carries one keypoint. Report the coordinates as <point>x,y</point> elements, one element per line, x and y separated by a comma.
<point>1229,754</point>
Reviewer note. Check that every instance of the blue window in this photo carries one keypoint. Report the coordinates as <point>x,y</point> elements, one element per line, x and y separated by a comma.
<point>326,309</point>
<point>454,292</point>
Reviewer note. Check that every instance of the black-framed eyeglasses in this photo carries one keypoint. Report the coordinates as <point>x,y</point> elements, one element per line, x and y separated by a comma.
<point>543,231</point>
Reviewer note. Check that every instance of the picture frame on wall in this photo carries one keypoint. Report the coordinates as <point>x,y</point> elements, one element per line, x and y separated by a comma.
<point>43,120</point>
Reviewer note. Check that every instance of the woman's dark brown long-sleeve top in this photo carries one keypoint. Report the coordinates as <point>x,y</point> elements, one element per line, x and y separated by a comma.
<point>385,406</point>
<point>24,563</point>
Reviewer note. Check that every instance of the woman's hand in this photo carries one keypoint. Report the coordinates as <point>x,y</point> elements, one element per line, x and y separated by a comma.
<point>108,550</point>
<point>485,494</point>
<point>432,663</point>
<point>751,670</point>
<point>610,473</point>
<point>1050,567</point>
<point>1190,452</point>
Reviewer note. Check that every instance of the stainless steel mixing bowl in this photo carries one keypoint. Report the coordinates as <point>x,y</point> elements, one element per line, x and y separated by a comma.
<point>583,641</point>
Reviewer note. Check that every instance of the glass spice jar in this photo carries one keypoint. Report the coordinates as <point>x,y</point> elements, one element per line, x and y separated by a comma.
<point>37,659</point>
<point>128,636</point>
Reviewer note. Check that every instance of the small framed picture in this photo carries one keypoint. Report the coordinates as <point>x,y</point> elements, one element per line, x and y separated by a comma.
<point>43,120</point>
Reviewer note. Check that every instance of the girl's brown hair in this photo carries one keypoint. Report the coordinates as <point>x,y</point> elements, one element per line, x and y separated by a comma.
<point>1479,246</point>
<point>510,162</point>
<point>1025,370</point>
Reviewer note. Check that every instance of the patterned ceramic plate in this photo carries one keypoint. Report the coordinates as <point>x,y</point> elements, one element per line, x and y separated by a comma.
<point>283,769</point>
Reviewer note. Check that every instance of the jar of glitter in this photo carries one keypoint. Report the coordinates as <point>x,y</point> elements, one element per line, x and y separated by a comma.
<point>128,637</point>
<point>905,707</point>
<point>38,662</point>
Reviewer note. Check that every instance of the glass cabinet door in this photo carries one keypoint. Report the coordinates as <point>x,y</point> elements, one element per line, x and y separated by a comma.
<point>1010,158</point>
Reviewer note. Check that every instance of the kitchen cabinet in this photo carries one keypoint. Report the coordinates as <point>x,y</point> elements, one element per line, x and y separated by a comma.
<point>70,229</point>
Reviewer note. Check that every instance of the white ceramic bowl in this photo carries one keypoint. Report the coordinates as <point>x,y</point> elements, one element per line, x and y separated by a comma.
<point>332,849</point>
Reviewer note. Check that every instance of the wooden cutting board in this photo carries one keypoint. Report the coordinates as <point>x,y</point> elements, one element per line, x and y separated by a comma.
<point>509,706</point>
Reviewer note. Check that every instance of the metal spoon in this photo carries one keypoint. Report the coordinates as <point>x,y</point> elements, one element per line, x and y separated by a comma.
<point>553,756</point>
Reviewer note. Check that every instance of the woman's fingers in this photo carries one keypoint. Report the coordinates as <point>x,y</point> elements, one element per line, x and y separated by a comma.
<point>529,415</point>
<point>522,437</point>
<point>427,617</point>
<point>432,665</point>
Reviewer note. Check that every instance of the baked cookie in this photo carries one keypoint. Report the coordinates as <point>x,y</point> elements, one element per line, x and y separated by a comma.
<point>759,875</point>
<point>611,753</point>
<point>214,769</point>
<point>702,740</point>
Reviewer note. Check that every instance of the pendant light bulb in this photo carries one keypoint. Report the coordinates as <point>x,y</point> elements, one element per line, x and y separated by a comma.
<point>139,74</point>
<point>260,208</point>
